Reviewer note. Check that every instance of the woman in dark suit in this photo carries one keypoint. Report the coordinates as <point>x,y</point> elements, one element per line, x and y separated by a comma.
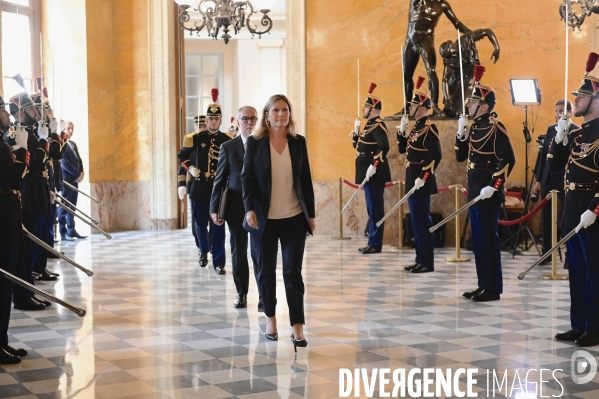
<point>279,203</point>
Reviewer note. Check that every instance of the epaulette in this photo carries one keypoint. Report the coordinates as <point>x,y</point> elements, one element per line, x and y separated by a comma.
<point>188,140</point>
<point>434,129</point>
<point>229,136</point>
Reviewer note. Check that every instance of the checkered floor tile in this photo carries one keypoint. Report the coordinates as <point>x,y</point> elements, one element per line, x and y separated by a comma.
<point>159,326</point>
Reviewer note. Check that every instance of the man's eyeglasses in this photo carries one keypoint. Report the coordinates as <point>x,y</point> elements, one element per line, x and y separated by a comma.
<point>246,119</point>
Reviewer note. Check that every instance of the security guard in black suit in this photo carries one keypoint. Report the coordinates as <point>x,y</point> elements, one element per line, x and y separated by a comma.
<point>487,148</point>
<point>372,146</point>
<point>548,180</point>
<point>578,153</point>
<point>228,175</point>
<point>13,166</point>
<point>35,195</point>
<point>424,155</point>
<point>206,144</point>
<point>184,185</point>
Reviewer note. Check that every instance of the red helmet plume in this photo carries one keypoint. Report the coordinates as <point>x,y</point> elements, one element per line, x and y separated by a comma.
<point>372,87</point>
<point>479,71</point>
<point>592,62</point>
<point>419,82</point>
<point>214,94</point>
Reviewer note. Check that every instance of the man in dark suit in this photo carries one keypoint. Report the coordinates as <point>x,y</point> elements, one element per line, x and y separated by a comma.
<point>72,173</point>
<point>228,174</point>
<point>548,180</point>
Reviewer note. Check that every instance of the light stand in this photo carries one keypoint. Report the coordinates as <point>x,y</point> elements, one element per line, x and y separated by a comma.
<point>525,92</point>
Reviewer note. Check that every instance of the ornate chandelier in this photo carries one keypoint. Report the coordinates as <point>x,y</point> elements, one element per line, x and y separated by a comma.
<point>222,14</point>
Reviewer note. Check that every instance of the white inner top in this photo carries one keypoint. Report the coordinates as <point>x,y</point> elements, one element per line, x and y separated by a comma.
<point>283,198</point>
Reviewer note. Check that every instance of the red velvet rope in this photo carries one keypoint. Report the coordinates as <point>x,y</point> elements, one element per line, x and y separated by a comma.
<point>390,184</point>
<point>447,188</point>
<point>525,217</point>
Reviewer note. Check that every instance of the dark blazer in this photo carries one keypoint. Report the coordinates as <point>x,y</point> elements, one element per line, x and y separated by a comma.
<point>551,179</point>
<point>256,179</point>
<point>72,166</point>
<point>230,165</point>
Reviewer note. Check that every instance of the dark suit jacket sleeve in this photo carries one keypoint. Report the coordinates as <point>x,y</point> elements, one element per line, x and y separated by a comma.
<point>543,155</point>
<point>307,187</point>
<point>69,162</point>
<point>222,175</point>
<point>248,176</point>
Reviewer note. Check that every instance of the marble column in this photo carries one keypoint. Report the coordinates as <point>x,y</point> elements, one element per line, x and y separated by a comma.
<point>296,60</point>
<point>163,113</point>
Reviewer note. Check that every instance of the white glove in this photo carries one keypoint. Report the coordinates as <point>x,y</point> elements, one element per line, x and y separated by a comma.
<point>586,219</point>
<point>195,172</point>
<point>370,172</point>
<point>21,137</point>
<point>561,137</point>
<point>357,127</point>
<point>53,126</point>
<point>403,124</point>
<point>52,197</point>
<point>487,192</point>
<point>418,184</point>
<point>42,131</point>
<point>462,129</point>
<point>182,192</point>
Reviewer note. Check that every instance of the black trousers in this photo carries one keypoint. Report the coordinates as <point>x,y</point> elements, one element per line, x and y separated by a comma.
<point>8,263</point>
<point>291,233</point>
<point>41,262</point>
<point>65,219</point>
<point>546,222</point>
<point>239,249</point>
<point>27,255</point>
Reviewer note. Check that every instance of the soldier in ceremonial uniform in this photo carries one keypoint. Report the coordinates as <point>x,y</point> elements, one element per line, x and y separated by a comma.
<point>206,145</point>
<point>487,148</point>
<point>578,152</point>
<point>372,146</point>
<point>185,179</point>
<point>54,155</point>
<point>547,179</point>
<point>423,156</point>
<point>35,195</point>
<point>13,166</point>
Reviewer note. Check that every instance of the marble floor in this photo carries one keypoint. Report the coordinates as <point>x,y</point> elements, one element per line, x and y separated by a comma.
<point>158,326</point>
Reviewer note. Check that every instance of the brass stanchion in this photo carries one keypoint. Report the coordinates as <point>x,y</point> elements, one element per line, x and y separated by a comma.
<point>553,275</point>
<point>400,245</point>
<point>341,213</point>
<point>458,248</point>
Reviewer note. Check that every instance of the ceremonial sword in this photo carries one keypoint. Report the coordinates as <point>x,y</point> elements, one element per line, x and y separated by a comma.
<point>456,213</point>
<point>55,252</point>
<point>548,253</point>
<point>401,201</point>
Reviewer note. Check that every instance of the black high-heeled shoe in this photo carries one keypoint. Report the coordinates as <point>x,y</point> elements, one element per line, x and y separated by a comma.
<point>302,343</point>
<point>272,337</point>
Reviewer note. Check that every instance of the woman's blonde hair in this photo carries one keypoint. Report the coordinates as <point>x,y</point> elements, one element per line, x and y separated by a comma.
<point>262,129</point>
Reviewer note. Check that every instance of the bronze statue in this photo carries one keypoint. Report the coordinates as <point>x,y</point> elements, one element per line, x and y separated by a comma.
<point>424,15</point>
<point>452,91</point>
<point>587,7</point>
